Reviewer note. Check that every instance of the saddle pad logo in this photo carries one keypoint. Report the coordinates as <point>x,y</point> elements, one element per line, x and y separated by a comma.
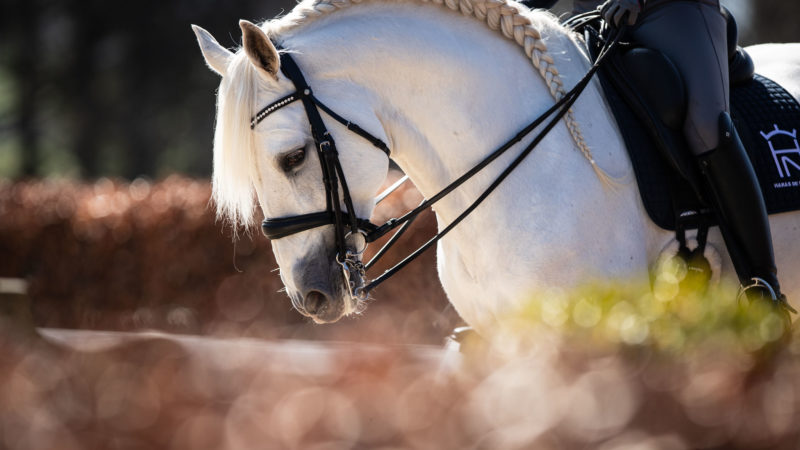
<point>786,156</point>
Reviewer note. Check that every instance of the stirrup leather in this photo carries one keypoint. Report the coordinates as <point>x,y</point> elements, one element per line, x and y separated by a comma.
<point>761,284</point>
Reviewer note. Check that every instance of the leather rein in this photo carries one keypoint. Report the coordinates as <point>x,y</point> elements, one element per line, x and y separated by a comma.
<point>345,222</point>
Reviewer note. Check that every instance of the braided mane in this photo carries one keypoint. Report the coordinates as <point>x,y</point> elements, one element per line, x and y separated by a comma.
<point>235,170</point>
<point>506,16</point>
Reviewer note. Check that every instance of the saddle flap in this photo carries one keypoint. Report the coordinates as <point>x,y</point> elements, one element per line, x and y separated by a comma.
<point>647,68</point>
<point>766,116</point>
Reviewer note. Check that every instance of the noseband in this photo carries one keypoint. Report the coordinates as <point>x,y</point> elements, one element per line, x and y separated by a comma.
<point>345,221</point>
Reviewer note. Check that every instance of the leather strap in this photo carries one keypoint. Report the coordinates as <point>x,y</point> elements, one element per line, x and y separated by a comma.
<point>287,226</point>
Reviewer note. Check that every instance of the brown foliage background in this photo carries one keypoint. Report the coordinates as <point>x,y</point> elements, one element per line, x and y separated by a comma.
<point>136,256</point>
<point>114,255</point>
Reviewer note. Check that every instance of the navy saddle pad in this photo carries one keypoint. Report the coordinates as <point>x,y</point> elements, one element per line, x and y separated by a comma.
<point>767,119</point>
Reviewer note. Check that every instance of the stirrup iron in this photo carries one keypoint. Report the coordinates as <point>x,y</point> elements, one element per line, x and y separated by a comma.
<point>761,284</point>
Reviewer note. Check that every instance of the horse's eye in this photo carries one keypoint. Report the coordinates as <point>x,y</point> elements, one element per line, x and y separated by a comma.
<point>293,159</point>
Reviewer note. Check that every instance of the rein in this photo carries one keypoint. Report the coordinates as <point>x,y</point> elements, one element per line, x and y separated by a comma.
<point>333,176</point>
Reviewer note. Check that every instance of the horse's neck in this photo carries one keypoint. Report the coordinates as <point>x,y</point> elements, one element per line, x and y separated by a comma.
<point>447,91</point>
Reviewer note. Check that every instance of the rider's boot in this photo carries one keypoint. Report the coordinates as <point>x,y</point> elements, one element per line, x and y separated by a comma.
<point>742,213</point>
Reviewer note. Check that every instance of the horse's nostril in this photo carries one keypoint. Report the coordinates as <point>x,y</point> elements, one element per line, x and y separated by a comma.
<point>314,301</point>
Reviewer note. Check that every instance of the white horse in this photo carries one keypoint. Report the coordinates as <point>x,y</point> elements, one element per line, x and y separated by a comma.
<point>443,84</point>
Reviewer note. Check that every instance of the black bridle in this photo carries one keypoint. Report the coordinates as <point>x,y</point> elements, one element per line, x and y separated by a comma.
<point>345,221</point>
<point>332,174</point>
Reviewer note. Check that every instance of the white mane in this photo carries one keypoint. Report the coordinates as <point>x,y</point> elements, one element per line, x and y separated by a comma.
<point>235,167</point>
<point>234,161</point>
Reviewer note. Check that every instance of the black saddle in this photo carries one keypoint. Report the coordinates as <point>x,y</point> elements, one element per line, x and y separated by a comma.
<point>651,122</point>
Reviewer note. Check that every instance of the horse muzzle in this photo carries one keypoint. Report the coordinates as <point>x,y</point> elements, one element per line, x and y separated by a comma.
<point>322,307</point>
<point>321,289</point>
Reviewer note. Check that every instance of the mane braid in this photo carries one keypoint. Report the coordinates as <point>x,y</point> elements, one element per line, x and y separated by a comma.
<point>499,15</point>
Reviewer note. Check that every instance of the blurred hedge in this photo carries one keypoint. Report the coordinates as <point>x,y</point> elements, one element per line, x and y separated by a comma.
<point>124,256</point>
<point>544,387</point>
<point>606,367</point>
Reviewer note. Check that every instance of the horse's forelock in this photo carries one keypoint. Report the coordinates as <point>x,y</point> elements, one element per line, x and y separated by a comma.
<point>235,168</point>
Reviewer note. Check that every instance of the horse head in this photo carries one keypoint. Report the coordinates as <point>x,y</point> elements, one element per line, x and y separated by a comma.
<point>276,161</point>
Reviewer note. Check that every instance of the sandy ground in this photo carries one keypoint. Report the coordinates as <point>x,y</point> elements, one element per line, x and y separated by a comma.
<point>76,389</point>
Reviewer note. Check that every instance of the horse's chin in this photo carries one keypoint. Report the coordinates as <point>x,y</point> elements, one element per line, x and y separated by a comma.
<point>325,320</point>
<point>333,311</point>
<point>328,314</point>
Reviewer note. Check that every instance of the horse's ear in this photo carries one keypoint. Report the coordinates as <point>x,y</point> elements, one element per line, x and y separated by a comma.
<point>259,49</point>
<point>217,57</point>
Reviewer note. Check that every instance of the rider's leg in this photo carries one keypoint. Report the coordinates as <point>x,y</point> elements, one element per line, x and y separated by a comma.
<point>693,35</point>
<point>740,207</point>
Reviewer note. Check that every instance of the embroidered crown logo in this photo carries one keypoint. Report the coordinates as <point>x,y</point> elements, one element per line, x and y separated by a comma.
<point>785,158</point>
